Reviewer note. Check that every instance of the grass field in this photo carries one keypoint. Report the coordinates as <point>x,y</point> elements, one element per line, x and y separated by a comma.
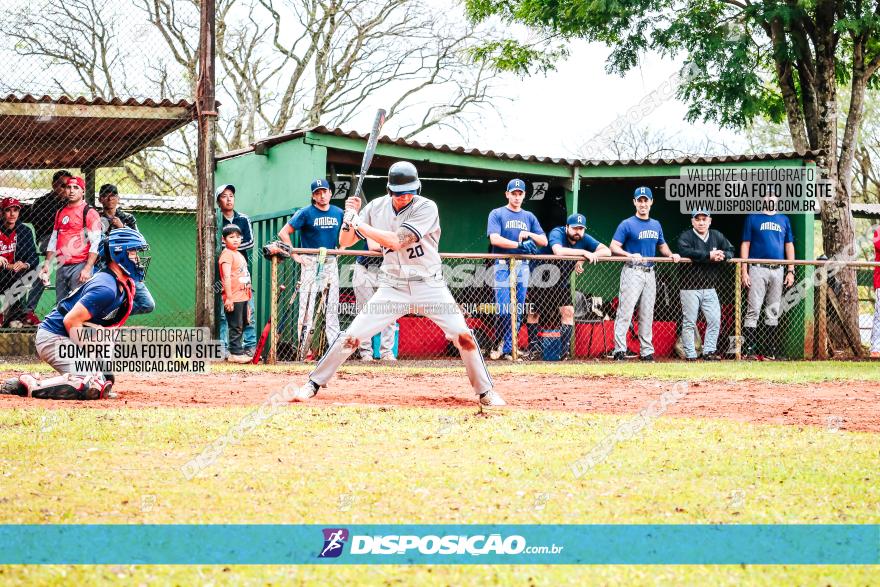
<point>356,465</point>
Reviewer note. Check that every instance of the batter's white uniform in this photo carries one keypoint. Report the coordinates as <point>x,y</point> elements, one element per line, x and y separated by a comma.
<point>410,281</point>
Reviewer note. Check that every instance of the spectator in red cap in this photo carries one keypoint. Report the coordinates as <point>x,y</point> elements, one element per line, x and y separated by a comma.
<point>76,235</point>
<point>18,256</point>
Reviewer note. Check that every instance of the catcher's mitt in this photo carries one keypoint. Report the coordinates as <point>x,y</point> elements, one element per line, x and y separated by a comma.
<point>276,249</point>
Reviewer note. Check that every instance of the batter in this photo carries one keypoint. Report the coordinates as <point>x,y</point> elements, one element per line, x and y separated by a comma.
<point>407,227</point>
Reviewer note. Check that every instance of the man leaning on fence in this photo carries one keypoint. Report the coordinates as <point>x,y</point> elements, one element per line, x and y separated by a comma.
<point>318,227</point>
<point>765,236</point>
<point>113,218</point>
<point>708,250</point>
<point>637,237</point>
<point>512,230</point>
<point>18,256</point>
<point>76,235</point>
<point>225,195</point>
<point>41,215</point>
<point>554,304</point>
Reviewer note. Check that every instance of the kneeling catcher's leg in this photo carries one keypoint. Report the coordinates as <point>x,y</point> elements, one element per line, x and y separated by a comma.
<point>67,387</point>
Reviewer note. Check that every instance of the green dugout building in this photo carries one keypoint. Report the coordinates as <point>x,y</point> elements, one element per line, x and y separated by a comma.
<point>272,178</point>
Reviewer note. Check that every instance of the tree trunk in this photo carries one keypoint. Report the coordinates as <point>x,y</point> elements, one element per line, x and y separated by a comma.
<point>838,234</point>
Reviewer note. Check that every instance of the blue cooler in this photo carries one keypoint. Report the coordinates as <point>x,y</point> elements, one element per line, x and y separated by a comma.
<point>551,344</point>
<point>377,342</point>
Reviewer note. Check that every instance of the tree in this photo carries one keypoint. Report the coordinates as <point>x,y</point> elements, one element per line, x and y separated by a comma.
<point>780,59</point>
<point>280,65</point>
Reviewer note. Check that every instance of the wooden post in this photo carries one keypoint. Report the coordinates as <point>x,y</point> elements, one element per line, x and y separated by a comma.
<point>513,307</point>
<point>274,294</point>
<point>737,310</point>
<point>205,215</point>
<point>89,177</point>
<point>822,321</point>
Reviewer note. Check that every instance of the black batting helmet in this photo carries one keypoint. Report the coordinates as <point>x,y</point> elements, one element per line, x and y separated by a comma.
<point>403,178</point>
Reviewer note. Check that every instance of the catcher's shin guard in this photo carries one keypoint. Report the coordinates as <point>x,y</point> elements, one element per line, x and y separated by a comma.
<point>67,387</point>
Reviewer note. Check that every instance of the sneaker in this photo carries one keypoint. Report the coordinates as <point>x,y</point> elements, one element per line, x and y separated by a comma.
<point>711,357</point>
<point>491,399</point>
<point>509,357</point>
<point>495,353</point>
<point>367,358</point>
<point>647,358</point>
<point>690,359</point>
<point>16,324</point>
<point>240,359</point>
<point>31,319</point>
<point>619,356</point>
<point>307,391</point>
<point>388,359</point>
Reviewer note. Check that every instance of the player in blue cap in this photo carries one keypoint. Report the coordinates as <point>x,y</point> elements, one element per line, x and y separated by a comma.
<point>512,230</point>
<point>552,302</point>
<point>318,226</point>
<point>637,237</point>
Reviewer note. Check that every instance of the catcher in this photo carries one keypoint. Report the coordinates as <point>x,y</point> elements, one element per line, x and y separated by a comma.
<point>103,301</point>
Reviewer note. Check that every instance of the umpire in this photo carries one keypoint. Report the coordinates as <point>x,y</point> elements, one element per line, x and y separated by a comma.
<point>766,236</point>
<point>708,250</point>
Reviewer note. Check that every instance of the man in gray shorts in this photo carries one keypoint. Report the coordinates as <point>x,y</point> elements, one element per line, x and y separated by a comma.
<point>767,237</point>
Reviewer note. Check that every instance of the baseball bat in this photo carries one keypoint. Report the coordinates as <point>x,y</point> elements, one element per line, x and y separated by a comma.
<point>367,160</point>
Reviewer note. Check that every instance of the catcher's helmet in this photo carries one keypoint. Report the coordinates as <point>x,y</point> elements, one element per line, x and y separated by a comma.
<point>119,242</point>
<point>403,178</point>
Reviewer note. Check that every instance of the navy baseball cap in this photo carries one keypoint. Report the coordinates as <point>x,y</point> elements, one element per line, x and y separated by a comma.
<point>643,192</point>
<point>697,212</point>
<point>516,184</point>
<point>222,188</point>
<point>577,220</point>
<point>320,184</point>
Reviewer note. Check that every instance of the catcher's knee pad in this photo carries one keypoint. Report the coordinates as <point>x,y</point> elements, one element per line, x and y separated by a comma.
<point>14,386</point>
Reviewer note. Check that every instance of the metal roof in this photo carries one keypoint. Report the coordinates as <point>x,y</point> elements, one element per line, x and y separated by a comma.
<point>865,210</point>
<point>444,148</point>
<point>51,133</point>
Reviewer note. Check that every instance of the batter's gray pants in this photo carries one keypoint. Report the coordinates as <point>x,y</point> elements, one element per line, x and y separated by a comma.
<point>365,281</point>
<point>766,290</point>
<point>67,280</point>
<point>389,303</point>
<point>634,284</point>
<point>692,301</point>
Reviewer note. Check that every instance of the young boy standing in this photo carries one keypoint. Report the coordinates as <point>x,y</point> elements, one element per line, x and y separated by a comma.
<point>236,292</point>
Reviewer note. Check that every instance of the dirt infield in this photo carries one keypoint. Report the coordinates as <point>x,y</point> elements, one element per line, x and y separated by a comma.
<point>846,405</point>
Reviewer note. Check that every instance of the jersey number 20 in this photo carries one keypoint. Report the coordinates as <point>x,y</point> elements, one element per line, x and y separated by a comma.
<point>416,251</point>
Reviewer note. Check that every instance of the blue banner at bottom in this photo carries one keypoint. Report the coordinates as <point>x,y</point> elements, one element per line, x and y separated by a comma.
<point>441,544</point>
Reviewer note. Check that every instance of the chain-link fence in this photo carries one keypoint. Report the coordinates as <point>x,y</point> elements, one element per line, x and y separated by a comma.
<point>569,309</point>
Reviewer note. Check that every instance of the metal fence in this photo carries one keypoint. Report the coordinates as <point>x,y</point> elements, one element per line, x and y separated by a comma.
<point>574,311</point>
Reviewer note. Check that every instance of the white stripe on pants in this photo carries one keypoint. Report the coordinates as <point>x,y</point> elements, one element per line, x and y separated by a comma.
<point>635,284</point>
<point>308,290</point>
<point>389,303</point>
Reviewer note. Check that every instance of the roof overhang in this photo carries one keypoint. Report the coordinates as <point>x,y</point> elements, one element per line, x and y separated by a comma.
<point>47,133</point>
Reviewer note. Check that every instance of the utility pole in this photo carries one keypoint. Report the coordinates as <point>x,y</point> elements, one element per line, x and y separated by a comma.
<point>205,215</point>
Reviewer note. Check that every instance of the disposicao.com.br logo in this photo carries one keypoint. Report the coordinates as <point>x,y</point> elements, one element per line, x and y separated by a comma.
<point>432,544</point>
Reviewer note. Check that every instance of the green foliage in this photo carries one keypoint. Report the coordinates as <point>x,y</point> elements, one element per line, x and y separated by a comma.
<point>729,41</point>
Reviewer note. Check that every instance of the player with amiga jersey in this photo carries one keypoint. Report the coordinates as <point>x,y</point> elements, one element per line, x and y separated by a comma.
<point>512,230</point>
<point>554,303</point>
<point>407,227</point>
<point>636,237</point>
<point>318,227</point>
<point>103,301</point>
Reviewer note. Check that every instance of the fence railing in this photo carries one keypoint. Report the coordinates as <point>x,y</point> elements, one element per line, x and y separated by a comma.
<point>567,308</point>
